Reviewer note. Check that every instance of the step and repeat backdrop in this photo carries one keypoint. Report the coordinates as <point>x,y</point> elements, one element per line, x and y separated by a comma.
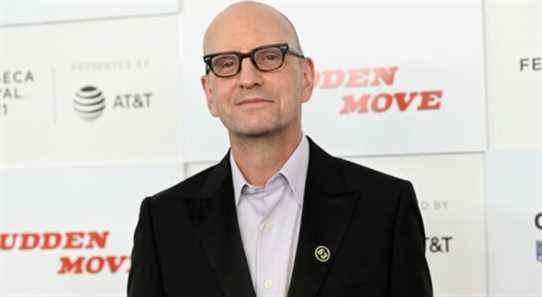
<point>101,105</point>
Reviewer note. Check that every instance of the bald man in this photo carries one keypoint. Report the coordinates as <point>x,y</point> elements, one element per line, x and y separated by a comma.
<point>278,216</point>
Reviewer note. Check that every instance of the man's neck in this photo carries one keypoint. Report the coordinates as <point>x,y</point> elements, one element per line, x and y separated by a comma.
<point>259,158</point>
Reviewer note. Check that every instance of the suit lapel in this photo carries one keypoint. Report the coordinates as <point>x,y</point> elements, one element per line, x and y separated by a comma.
<point>220,235</point>
<point>328,206</point>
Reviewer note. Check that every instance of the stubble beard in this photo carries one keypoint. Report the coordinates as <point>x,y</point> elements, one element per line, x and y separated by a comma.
<point>243,131</point>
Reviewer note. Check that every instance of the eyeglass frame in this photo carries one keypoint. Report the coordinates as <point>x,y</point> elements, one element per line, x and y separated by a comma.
<point>283,47</point>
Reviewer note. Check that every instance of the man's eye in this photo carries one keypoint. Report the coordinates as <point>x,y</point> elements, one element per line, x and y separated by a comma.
<point>271,57</point>
<point>227,64</point>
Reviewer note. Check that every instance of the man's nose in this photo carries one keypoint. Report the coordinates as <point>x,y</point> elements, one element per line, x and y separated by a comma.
<point>250,76</point>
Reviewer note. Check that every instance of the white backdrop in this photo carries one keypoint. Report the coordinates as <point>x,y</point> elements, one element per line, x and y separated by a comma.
<point>513,35</point>
<point>61,173</point>
<point>72,200</point>
<point>513,201</point>
<point>136,69</point>
<point>15,12</point>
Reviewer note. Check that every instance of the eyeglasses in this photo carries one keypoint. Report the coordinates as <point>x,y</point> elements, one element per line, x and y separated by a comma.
<point>264,58</point>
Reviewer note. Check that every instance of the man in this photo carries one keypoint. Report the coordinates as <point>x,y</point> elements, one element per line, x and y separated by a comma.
<point>277,216</point>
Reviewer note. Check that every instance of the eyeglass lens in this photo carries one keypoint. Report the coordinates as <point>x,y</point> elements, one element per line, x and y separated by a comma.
<point>266,59</point>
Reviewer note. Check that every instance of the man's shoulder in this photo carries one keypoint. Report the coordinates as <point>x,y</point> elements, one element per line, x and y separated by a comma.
<point>189,188</point>
<point>355,176</point>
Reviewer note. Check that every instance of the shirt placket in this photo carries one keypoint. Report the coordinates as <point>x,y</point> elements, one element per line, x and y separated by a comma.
<point>273,250</point>
<point>267,278</point>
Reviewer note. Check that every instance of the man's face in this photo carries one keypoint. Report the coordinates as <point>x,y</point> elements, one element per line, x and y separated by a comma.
<point>254,103</point>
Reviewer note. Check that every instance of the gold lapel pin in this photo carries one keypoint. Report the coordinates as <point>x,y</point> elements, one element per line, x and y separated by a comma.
<point>322,253</point>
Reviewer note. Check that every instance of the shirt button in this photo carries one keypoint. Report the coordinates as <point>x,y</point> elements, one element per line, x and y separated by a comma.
<point>267,226</point>
<point>268,284</point>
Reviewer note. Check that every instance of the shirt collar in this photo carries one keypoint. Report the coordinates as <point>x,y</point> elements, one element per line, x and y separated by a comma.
<point>294,170</point>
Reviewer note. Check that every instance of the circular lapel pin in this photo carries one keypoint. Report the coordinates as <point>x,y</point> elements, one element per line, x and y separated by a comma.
<point>322,253</point>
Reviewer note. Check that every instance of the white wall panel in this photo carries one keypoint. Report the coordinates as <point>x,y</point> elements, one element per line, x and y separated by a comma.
<point>133,63</point>
<point>514,73</point>
<point>77,199</point>
<point>29,11</point>
<point>514,202</point>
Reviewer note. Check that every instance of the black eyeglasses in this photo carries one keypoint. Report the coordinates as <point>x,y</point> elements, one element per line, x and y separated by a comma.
<point>264,58</point>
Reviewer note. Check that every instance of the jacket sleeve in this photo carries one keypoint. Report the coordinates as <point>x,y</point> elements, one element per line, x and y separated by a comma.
<point>144,279</point>
<point>409,273</point>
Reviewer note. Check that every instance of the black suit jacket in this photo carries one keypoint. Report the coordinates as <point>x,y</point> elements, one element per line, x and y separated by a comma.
<point>187,242</point>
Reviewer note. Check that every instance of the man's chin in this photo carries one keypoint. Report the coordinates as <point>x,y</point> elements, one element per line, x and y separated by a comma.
<point>256,132</point>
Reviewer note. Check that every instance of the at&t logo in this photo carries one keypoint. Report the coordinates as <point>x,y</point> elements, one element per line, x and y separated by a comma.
<point>89,103</point>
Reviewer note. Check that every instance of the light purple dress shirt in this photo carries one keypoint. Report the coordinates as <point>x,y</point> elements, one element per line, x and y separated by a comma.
<point>269,219</point>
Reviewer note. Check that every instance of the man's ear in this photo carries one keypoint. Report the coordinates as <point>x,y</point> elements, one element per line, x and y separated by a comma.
<point>211,105</point>
<point>308,79</point>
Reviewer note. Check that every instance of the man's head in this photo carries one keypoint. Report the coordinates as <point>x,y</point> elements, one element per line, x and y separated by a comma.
<point>256,103</point>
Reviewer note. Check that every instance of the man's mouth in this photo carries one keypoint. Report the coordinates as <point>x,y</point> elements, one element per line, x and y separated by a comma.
<point>252,101</point>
